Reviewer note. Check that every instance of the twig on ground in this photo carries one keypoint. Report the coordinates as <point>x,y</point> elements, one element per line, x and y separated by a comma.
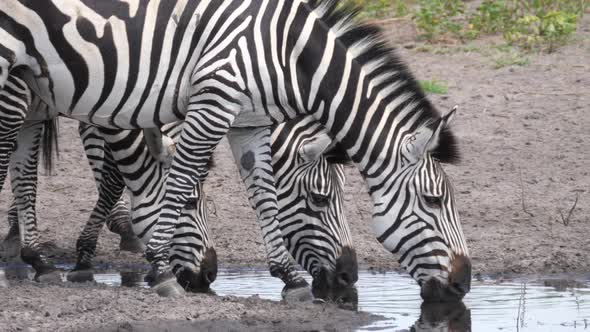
<point>211,207</point>
<point>522,196</point>
<point>566,220</point>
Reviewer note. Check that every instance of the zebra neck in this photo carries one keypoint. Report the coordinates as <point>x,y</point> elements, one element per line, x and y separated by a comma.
<point>343,73</point>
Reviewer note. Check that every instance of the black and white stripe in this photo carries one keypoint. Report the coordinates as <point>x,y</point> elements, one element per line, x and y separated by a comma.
<point>15,100</point>
<point>249,63</point>
<point>310,184</point>
<point>120,158</point>
<point>310,190</point>
<point>311,213</point>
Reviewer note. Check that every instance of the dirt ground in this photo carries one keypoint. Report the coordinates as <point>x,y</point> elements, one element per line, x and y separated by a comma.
<point>526,154</point>
<point>33,307</point>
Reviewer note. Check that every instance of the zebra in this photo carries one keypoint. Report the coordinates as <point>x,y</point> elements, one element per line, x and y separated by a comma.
<point>218,64</point>
<point>311,215</point>
<point>309,174</point>
<point>193,257</point>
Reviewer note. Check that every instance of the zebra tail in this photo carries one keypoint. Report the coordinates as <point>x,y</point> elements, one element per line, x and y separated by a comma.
<point>49,143</point>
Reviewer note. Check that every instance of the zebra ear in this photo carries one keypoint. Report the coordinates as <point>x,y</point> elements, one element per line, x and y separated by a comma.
<point>427,138</point>
<point>443,123</point>
<point>312,148</point>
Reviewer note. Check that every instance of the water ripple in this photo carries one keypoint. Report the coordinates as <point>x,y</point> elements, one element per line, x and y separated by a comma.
<point>490,306</point>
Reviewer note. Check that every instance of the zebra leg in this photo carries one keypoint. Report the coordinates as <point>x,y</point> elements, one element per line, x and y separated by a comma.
<point>102,162</point>
<point>119,222</point>
<point>11,243</point>
<point>23,172</point>
<point>252,153</point>
<point>110,190</point>
<point>15,99</point>
<point>202,130</point>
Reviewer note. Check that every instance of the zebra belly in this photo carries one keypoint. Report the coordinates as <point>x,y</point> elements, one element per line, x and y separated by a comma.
<point>249,118</point>
<point>131,115</point>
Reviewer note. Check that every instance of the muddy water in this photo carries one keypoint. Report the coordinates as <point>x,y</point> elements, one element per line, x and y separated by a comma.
<point>541,304</point>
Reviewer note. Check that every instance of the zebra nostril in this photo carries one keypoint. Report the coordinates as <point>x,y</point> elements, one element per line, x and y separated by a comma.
<point>210,277</point>
<point>460,288</point>
<point>346,273</point>
<point>209,266</point>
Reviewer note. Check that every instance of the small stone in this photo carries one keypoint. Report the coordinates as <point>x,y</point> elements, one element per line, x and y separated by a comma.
<point>47,314</point>
<point>409,46</point>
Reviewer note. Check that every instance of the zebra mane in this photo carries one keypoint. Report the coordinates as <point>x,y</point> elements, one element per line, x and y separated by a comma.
<point>447,150</point>
<point>384,66</point>
<point>337,155</point>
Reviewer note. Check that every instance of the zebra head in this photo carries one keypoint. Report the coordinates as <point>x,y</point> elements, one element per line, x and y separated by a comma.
<point>310,181</point>
<point>192,256</point>
<point>415,215</point>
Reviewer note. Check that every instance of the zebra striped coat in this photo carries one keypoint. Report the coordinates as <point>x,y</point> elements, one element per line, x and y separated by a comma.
<point>310,183</point>
<point>217,62</point>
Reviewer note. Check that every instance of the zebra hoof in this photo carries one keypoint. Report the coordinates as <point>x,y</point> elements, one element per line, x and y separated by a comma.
<point>165,285</point>
<point>80,276</point>
<point>45,271</point>
<point>49,277</point>
<point>132,244</point>
<point>3,280</point>
<point>299,294</point>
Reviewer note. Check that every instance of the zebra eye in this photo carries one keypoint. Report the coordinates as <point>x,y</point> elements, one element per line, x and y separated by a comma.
<point>433,201</point>
<point>191,204</point>
<point>320,200</point>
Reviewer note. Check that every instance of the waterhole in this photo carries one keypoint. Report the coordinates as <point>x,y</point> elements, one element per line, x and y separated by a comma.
<point>527,304</point>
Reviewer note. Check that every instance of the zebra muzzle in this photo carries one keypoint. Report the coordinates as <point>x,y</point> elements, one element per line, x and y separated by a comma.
<point>338,285</point>
<point>199,282</point>
<point>457,285</point>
